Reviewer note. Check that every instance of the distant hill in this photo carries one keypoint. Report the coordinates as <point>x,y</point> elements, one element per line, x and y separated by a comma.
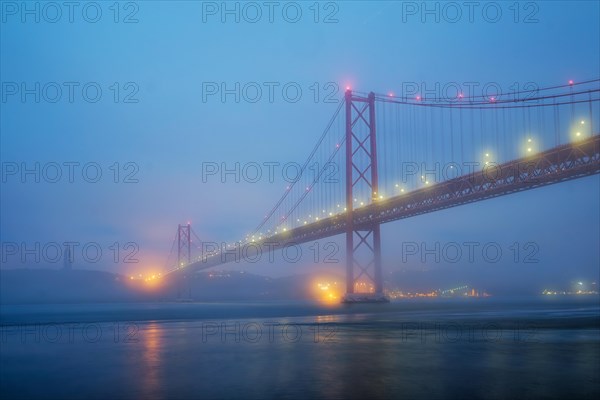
<point>63,286</point>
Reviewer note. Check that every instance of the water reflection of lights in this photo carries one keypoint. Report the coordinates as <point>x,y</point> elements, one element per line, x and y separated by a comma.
<point>151,356</point>
<point>322,319</point>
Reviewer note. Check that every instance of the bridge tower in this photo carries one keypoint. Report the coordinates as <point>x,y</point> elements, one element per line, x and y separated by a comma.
<point>363,242</point>
<point>184,245</point>
<point>184,257</point>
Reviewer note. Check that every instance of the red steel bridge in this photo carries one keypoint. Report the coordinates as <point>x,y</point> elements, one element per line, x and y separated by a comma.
<point>383,158</point>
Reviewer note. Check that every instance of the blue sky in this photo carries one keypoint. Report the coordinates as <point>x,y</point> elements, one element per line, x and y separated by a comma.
<point>170,52</point>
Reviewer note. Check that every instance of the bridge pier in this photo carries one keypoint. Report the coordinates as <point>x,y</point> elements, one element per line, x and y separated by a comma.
<point>184,245</point>
<point>184,258</point>
<point>364,257</point>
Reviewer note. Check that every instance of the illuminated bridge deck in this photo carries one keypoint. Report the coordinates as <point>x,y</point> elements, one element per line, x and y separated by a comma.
<point>562,163</point>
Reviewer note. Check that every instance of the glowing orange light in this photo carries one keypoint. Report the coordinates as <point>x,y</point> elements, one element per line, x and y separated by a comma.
<point>326,292</point>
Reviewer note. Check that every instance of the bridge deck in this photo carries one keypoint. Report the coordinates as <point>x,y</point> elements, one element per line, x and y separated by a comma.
<point>562,163</point>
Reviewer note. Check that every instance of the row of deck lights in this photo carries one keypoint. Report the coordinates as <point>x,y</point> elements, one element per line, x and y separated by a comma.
<point>529,150</point>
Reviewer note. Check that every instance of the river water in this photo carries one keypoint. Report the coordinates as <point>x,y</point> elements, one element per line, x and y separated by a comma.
<point>430,349</point>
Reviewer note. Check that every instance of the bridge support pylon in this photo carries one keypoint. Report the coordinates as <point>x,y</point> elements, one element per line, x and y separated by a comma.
<point>184,245</point>
<point>364,279</point>
<point>184,258</point>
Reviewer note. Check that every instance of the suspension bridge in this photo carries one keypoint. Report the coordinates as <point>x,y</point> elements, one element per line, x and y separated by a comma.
<point>382,158</point>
